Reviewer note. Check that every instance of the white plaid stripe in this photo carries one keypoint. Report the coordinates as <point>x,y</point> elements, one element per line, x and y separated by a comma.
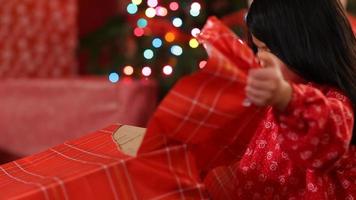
<point>216,176</point>
<point>42,188</point>
<point>58,180</point>
<point>196,97</point>
<point>207,107</point>
<point>124,166</point>
<point>122,162</point>
<point>238,132</point>
<point>174,174</point>
<point>190,170</point>
<point>105,131</point>
<point>228,78</point>
<point>211,109</point>
<point>173,193</point>
<point>53,154</point>
<point>185,118</point>
<point>103,166</point>
<point>128,177</point>
<point>91,153</point>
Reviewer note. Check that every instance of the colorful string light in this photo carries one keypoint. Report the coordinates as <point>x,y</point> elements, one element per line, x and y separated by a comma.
<point>146,71</point>
<point>195,32</point>
<point>177,22</point>
<point>176,50</point>
<point>169,37</point>
<point>142,23</point>
<point>128,70</point>
<point>152,3</point>
<point>157,43</point>
<point>202,64</point>
<point>132,8</point>
<point>161,11</point>
<point>150,12</point>
<point>193,43</point>
<point>137,2</point>
<point>138,32</point>
<point>155,10</point>
<point>195,9</point>
<point>174,6</point>
<point>167,70</point>
<point>195,6</point>
<point>148,54</point>
<point>114,77</point>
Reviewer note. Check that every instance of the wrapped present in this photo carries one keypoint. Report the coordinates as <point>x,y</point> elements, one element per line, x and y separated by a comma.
<point>38,38</point>
<point>93,167</point>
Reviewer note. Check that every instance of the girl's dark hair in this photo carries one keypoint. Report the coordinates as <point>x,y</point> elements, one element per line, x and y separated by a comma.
<point>313,37</point>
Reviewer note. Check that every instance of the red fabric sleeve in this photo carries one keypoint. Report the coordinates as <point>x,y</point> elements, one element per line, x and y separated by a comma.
<point>316,128</point>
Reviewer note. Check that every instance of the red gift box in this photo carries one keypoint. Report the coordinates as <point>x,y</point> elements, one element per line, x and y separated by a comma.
<point>39,113</point>
<point>93,167</point>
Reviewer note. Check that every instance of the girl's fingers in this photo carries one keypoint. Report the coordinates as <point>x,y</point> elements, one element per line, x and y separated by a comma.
<point>270,60</point>
<point>261,94</point>
<point>257,101</point>
<point>263,74</point>
<point>261,84</point>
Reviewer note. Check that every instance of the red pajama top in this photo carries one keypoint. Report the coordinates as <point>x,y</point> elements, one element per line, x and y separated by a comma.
<point>301,153</point>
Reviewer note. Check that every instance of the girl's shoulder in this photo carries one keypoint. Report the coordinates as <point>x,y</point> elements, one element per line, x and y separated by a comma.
<point>331,92</point>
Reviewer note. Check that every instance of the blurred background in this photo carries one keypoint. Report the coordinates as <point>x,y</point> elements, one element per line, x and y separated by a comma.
<point>69,67</point>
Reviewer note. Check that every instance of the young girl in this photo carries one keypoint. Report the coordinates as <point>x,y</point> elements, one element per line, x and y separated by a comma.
<point>302,149</point>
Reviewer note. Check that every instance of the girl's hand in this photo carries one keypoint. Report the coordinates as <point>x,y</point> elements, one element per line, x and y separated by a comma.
<point>267,86</point>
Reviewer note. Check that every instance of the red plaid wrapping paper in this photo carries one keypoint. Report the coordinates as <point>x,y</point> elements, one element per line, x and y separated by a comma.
<point>201,124</point>
<point>93,168</point>
<point>206,110</point>
<point>38,38</point>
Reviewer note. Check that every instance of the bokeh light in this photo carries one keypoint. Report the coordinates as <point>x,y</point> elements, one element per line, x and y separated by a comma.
<point>128,70</point>
<point>146,71</point>
<point>150,12</point>
<point>195,6</point>
<point>176,50</point>
<point>161,11</point>
<point>114,77</point>
<point>152,3</point>
<point>132,8</point>
<point>167,70</point>
<point>195,32</point>
<point>193,43</point>
<point>142,23</point>
<point>148,54</point>
<point>174,6</point>
<point>169,37</point>
<point>194,13</point>
<point>202,64</point>
<point>177,22</point>
<point>137,2</point>
<point>157,43</point>
<point>139,32</point>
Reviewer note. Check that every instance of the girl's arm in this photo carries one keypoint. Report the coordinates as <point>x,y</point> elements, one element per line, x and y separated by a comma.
<point>316,128</point>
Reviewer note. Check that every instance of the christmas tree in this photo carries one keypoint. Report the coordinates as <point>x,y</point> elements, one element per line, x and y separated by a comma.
<point>154,40</point>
